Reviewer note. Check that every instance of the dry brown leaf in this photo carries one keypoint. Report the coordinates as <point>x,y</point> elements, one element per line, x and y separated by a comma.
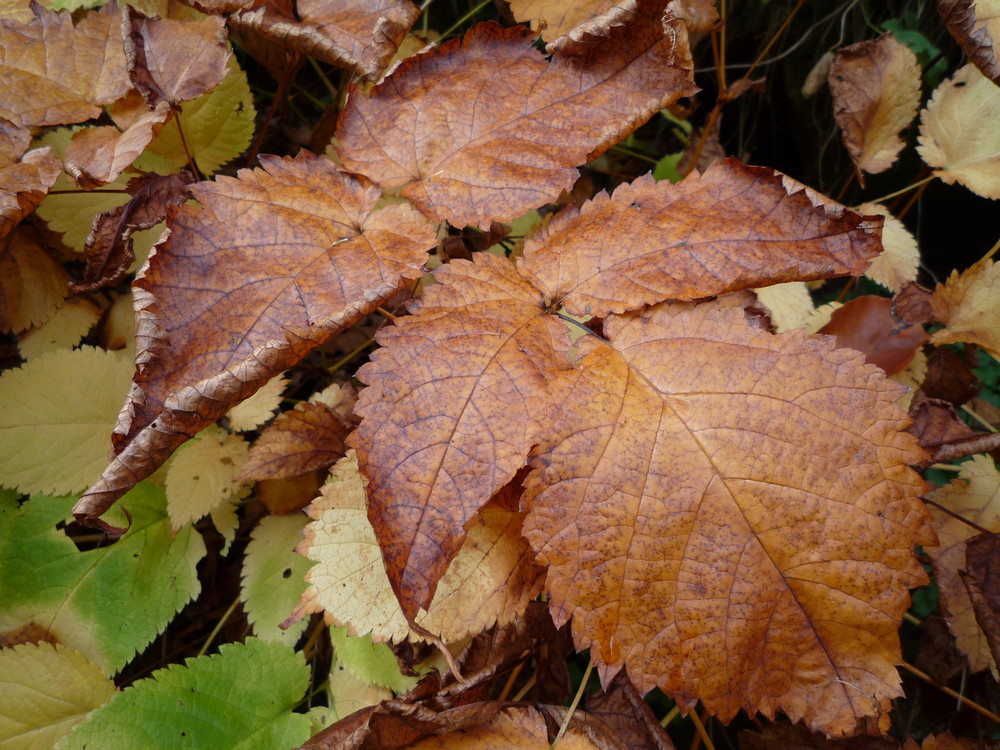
<point>632,719</point>
<point>360,35</point>
<point>467,430</point>
<point>271,264</point>
<point>698,540</point>
<point>867,325</point>
<point>699,15</point>
<point>24,184</point>
<point>876,93</point>
<point>571,25</point>
<point>733,227</point>
<point>950,377</point>
<point>982,583</point>
<point>975,496</point>
<point>32,282</point>
<point>967,305</point>
<point>975,24</point>
<point>96,156</point>
<point>797,737</point>
<point>52,72</point>
<point>960,132</point>
<point>309,437</point>
<point>173,61</point>
<point>517,147</point>
<point>948,742</point>
<point>14,141</point>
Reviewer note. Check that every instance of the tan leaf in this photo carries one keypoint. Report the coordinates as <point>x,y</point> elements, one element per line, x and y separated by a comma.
<point>64,330</point>
<point>518,146</point>
<point>900,261</point>
<point>701,237</point>
<point>96,156</point>
<point>696,536</point>
<point>32,282</point>
<point>967,304</point>
<point>490,581</point>
<point>960,132</point>
<point>975,496</point>
<point>467,431</point>
<point>304,439</point>
<point>789,304</point>
<point>172,61</point>
<point>876,93</point>
<point>699,15</point>
<point>52,72</point>
<point>271,264</point>
<point>975,24</point>
<point>360,35</point>
<point>259,408</point>
<point>24,184</point>
<point>573,24</point>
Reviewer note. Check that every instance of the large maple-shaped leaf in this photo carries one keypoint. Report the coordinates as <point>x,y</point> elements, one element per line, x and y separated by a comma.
<point>728,514</point>
<point>514,139</point>
<point>269,265</point>
<point>53,72</point>
<point>463,383</point>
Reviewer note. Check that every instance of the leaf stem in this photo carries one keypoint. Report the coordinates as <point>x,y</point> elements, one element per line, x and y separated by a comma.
<point>672,714</point>
<point>463,19</point>
<point>190,157</point>
<point>992,251</point>
<point>696,720</point>
<point>323,77</point>
<point>908,188</point>
<point>218,626</point>
<point>350,355</point>
<point>961,698</point>
<point>957,516</point>
<point>574,704</point>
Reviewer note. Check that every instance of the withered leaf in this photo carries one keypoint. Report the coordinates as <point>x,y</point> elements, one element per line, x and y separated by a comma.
<point>966,304</point>
<point>172,61</point>
<point>52,72</point>
<point>943,434</point>
<point>732,228</point>
<point>876,93</point>
<point>96,156</point>
<point>360,35</point>
<point>982,582</point>
<point>523,125</point>
<point>24,184</point>
<point>797,737</point>
<point>108,248</point>
<point>622,708</point>
<point>32,282</point>
<point>867,325</point>
<point>309,437</point>
<point>572,24</point>
<point>697,533</point>
<point>271,264</point>
<point>975,24</point>
<point>14,141</point>
<point>467,429</point>
<point>950,376</point>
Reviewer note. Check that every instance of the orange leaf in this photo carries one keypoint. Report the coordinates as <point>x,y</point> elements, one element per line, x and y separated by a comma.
<point>23,185</point>
<point>513,140</point>
<point>173,61</point>
<point>876,93</point>
<point>360,35</point>
<point>455,398</point>
<point>270,265</point>
<point>867,325</point>
<point>52,72</point>
<point>697,533</point>
<point>732,228</point>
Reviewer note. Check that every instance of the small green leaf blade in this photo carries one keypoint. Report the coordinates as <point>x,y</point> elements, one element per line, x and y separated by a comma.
<point>108,602</point>
<point>239,699</point>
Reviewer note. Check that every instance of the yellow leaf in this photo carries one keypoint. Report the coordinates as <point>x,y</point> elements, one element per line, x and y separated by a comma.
<point>63,330</point>
<point>900,260</point>
<point>259,408</point>
<point>960,132</point>
<point>202,477</point>
<point>789,304</point>
<point>47,690</point>
<point>967,305</point>
<point>58,413</point>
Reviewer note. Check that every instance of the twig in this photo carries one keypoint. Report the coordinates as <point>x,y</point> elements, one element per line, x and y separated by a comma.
<point>962,699</point>
<point>574,704</point>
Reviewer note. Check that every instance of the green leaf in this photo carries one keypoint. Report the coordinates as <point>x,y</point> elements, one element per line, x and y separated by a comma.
<point>47,690</point>
<point>372,663</point>
<point>108,602</point>
<point>274,577</point>
<point>217,128</point>
<point>58,413</point>
<point>242,698</point>
<point>666,168</point>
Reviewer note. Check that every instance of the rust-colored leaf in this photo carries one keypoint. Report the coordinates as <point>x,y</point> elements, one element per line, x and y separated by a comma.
<point>732,228</point>
<point>96,156</point>
<point>975,24</point>
<point>172,61</point>
<point>695,533</point>
<point>522,125</point>
<point>269,265</point>
<point>867,325</point>
<point>109,249</point>
<point>14,141</point>
<point>950,376</point>
<point>876,93</point>
<point>622,708</point>
<point>943,434</point>
<point>309,437</point>
<point>32,282</point>
<point>462,385</point>
<point>52,72</point>
<point>982,583</point>
<point>360,35</point>
<point>24,184</point>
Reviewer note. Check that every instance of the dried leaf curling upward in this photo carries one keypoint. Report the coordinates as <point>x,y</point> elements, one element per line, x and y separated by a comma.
<point>699,532</point>
<point>529,124</point>
<point>269,265</point>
